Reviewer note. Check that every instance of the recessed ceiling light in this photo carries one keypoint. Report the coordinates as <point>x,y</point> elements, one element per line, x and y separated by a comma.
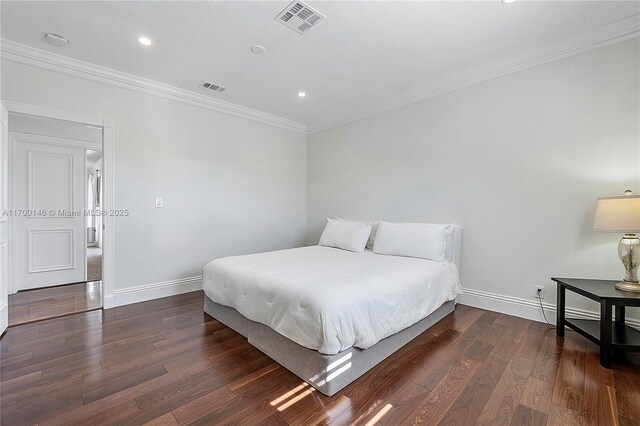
<point>144,41</point>
<point>302,94</point>
<point>508,1</point>
<point>56,40</point>
<point>258,50</point>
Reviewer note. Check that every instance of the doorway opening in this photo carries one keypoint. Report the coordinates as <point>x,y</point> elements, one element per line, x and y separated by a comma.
<point>94,219</point>
<point>57,244</point>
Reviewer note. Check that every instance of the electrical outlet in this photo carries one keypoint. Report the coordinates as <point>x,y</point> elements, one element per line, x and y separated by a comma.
<point>159,203</point>
<point>539,292</point>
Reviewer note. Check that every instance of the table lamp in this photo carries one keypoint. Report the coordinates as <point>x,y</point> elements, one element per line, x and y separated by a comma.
<point>622,214</point>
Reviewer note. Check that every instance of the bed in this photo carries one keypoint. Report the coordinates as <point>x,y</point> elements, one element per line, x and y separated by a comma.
<point>329,315</point>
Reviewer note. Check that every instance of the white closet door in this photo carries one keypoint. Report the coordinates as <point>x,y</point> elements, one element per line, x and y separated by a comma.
<point>50,239</point>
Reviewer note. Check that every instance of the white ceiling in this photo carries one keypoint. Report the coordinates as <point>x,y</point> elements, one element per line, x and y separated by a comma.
<point>363,54</point>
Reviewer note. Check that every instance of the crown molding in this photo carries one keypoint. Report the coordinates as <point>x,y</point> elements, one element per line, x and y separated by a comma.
<point>602,36</point>
<point>38,58</point>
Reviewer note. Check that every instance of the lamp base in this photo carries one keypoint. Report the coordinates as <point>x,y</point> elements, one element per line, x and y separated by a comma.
<point>629,252</point>
<point>628,286</point>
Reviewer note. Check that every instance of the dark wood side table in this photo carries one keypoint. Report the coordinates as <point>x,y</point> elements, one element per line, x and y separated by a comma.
<point>612,336</point>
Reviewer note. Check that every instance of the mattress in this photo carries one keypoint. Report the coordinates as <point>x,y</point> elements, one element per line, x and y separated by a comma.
<point>328,299</point>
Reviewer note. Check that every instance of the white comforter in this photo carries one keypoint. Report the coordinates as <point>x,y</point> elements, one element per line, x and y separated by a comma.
<point>329,299</point>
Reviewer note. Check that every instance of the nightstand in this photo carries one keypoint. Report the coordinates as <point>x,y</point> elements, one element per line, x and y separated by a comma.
<point>611,336</point>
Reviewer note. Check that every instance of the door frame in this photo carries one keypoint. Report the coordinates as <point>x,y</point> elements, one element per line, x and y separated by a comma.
<point>4,231</point>
<point>108,166</point>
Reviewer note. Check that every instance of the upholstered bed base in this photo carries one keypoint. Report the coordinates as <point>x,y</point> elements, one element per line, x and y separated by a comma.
<point>327,373</point>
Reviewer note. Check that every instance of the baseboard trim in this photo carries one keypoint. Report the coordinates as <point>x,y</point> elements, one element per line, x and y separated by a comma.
<point>4,317</point>
<point>142,293</point>
<point>523,308</point>
<point>516,306</point>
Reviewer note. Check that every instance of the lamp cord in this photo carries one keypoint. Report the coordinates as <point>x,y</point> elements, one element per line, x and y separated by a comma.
<point>542,308</point>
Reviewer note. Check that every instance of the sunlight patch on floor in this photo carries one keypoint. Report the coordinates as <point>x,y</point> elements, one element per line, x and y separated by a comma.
<point>380,414</point>
<point>296,399</point>
<point>291,397</point>
<point>288,394</point>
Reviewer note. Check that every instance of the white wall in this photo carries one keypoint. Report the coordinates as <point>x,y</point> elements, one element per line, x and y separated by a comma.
<point>229,185</point>
<point>519,161</point>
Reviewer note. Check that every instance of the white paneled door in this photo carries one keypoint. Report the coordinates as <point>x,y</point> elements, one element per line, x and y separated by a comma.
<point>48,211</point>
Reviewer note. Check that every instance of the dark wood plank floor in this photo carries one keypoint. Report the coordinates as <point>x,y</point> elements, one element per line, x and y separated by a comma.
<point>52,302</point>
<point>165,362</point>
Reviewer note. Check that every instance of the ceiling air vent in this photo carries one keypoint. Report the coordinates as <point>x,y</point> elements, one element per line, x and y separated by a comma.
<point>211,86</point>
<point>299,16</point>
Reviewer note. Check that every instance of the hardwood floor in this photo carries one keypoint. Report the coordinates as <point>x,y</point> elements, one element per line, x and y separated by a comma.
<point>164,362</point>
<point>52,302</point>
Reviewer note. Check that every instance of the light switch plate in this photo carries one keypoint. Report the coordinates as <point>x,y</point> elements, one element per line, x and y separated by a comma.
<point>159,202</point>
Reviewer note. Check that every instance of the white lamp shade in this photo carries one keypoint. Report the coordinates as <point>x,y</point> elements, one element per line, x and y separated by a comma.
<point>618,214</point>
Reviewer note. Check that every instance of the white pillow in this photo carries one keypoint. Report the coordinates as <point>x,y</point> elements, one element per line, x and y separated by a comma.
<point>374,228</point>
<point>423,240</point>
<point>345,235</point>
